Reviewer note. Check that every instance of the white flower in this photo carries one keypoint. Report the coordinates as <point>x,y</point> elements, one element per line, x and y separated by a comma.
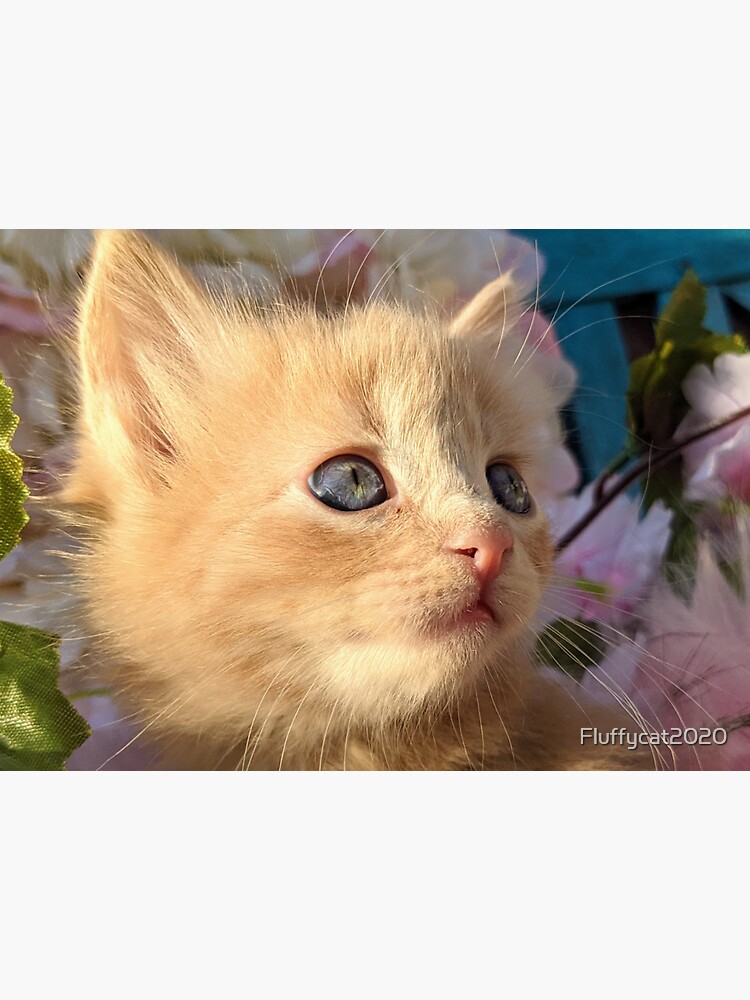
<point>717,465</point>
<point>448,266</point>
<point>445,266</point>
<point>48,258</point>
<point>36,373</point>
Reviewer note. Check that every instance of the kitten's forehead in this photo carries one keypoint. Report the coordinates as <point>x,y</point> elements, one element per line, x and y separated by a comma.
<point>403,386</point>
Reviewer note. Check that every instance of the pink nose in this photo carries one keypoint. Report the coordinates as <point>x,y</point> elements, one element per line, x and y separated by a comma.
<point>486,550</point>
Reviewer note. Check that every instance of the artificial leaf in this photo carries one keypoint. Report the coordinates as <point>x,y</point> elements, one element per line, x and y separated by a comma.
<point>571,645</point>
<point>682,317</point>
<point>681,557</point>
<point>13,493</point>
<point>591,586</point>
<point>39,728</point>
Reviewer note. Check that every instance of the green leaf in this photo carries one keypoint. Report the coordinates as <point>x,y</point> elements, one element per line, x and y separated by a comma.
<point>682,317</point>
<point>681,557</point>
<point>591,586</point>
<point>39,728</point>
<point>13,493</point>
<point>572,646</point>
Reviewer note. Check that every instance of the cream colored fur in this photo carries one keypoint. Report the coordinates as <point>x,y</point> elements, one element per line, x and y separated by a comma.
<point>246,623</point>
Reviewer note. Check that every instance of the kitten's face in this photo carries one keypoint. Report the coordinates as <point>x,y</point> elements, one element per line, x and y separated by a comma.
<point>323,529</point>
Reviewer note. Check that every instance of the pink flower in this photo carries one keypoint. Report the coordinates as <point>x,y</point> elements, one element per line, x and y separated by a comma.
<point>20,311</point>
<point>115,743</point>
<point>689,670</point>
<point>718,465</point>
<point>537,329</point>
<point>607,570</point>
<point>560,472</point>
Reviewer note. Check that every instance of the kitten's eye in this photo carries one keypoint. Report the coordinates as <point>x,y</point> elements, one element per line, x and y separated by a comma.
<point>348,482</point>
<point>508,488</point>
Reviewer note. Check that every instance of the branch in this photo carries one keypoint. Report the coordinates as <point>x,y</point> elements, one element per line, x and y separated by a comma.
<point>647,464</point>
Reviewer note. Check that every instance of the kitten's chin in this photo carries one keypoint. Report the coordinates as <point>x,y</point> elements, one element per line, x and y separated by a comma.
<point>404,676</point>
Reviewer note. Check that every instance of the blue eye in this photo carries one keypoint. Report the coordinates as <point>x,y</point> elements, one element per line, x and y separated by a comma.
<point>348,482</point>
<point>508,488</point>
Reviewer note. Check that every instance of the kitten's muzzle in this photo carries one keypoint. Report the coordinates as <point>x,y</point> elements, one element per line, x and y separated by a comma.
<point>487,551</point>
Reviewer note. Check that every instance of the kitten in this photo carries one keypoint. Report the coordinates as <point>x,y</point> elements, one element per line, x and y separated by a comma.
<point>316,542</point>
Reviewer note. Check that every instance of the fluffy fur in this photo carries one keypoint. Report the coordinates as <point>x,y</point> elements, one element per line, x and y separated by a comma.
<point>248,624</point>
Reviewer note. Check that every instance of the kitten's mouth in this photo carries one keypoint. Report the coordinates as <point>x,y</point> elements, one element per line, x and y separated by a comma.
<point>477,614</point>
<point>478,617</point>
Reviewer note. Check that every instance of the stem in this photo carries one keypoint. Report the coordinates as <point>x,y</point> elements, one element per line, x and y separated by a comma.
<point>646,464</point>
<point>614,466</point>
<point>90,693</point>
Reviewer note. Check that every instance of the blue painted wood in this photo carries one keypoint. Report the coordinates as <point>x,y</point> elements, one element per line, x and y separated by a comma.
<point>590,339</point>
<point>740,293</point>
<point>613,263</point>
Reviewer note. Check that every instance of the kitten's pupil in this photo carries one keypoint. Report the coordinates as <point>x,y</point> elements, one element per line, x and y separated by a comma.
<point>508,488</point>
<point>348,482</point>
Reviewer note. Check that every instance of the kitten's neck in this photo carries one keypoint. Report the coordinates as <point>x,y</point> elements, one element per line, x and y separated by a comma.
<point>479,728</point>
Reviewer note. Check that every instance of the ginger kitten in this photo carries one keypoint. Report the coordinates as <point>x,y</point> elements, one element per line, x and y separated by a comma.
<point>316,541</point>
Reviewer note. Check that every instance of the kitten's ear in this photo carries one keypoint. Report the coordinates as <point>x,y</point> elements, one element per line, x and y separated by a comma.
<point>138,352</point>
<point>496,308</point>
<point>499,321</point>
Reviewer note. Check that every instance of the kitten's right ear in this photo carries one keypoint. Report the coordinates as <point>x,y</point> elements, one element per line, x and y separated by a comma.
<point>138,351</point>
<point>495,320</point>
<point>494,309</point>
